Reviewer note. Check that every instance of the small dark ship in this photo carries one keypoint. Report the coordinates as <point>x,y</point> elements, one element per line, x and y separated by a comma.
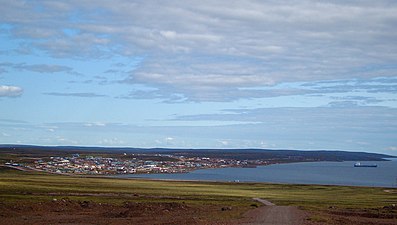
<point>364,165</point>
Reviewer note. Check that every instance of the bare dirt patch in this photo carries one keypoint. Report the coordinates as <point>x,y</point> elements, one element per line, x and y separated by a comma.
<point>369,216</point>
<point>274,215</point>
<point>65,211</point>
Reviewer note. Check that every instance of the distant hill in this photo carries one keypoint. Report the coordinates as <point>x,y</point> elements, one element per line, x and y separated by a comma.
<point>239,154</point>
<point>287,155</point>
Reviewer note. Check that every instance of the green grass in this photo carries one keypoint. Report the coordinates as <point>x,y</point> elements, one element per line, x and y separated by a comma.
<point>18,186</point>
<point>318,219</point>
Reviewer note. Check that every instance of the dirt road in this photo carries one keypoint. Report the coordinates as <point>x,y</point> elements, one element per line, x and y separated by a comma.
<point>270,214</point>
<point>263,201</point>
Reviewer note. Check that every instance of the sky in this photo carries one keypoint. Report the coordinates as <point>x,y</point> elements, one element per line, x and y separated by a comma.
<point>200,74</point>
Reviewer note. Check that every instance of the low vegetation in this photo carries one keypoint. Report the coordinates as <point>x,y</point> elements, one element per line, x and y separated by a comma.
<point>19,186</point>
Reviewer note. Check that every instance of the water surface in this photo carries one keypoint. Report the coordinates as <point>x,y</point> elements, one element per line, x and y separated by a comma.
<point>333,173</point>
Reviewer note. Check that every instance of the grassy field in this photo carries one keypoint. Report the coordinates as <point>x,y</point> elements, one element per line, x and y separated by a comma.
<point>31,186</point>
<point>205,199</point>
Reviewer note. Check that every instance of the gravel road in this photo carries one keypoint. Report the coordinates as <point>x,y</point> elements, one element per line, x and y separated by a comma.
<point>270,214</point>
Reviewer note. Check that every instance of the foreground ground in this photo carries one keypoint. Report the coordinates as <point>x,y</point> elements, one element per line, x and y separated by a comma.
<point>36,198</point>
<point>274,215</point>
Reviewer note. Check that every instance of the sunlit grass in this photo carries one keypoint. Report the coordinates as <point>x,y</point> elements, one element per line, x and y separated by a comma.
<point>34,186</point>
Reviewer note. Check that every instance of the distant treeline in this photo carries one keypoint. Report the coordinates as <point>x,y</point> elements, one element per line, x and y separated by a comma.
<point>239,154</point>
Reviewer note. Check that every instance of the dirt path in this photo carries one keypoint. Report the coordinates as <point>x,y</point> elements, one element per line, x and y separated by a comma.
<point>263,201</point>
<point>270,214</point>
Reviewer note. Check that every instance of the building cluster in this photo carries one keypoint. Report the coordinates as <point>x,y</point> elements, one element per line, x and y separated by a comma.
<point>77,164</point>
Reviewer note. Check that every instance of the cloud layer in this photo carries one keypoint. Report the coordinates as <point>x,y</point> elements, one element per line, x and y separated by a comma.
<point>204,50</point>
<point>83,95</point>
<point>280,74</point>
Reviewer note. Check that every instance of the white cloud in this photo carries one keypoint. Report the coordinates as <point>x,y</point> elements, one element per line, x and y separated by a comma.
<point>82,95</point>
<point>217,46</point>
<point>167,141</point>
<point>111,142</point>
<point>96,124</point>
<point>224,142</point>
<point>169,138</point>
<point>10,91</point>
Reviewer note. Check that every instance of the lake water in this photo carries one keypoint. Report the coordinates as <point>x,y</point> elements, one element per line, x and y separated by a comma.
<point>332,173</point>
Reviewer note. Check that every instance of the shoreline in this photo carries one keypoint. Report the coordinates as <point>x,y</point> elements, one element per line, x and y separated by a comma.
<point>167,177</point>
<point>160,176</point>
<point>203,181</point>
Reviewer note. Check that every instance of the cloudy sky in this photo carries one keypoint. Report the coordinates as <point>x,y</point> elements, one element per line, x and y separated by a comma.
<point>200,74</point>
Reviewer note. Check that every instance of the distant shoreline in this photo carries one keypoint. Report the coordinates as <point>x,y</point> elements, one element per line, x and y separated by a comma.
<point>354,177</point>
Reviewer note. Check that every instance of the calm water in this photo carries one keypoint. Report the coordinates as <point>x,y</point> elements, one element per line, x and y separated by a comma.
<point>334,173</point>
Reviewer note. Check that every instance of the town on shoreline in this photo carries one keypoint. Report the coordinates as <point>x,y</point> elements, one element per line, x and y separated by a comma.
<point>130,164</point>
<point>112,161</point>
